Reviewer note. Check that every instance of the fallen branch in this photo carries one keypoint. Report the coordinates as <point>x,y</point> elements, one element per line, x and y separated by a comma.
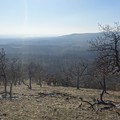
<point>107,105</point>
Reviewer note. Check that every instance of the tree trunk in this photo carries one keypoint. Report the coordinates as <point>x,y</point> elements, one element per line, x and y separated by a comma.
<point>19,82</point>
<point>67,81</point>
<point>104,84</point>
<point>11,86</point>
<point>40,82</point>
<point>30,83</point>
<point>5,85</point>
<point>78,82</point>
<point>15,83</point>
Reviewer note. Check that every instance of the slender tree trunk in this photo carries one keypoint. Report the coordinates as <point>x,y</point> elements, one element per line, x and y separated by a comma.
<point>78,82</point>
<point>5,82</point>
<point>5,86</point>
<point>15,83</point>
<point>40,81</point>
<point>104,84</point>
<point>67,81</point>
<point>19,82</point>
<point>11,86</point>
<point>30,83</point>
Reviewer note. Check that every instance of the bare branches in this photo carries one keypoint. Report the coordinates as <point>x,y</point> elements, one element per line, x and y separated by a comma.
<point>102,104</point>
<point>107,45</point>
<point>107,62</point>
<point>3,62</point>
<point>79,70</point>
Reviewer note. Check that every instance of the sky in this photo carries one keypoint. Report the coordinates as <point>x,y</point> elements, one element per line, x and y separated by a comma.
<point>56,17</point>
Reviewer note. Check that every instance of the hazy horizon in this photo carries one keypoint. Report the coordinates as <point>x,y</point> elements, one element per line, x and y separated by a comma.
<point>39,36</point>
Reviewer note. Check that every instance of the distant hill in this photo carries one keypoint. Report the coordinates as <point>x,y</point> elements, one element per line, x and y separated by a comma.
<point>62,45</point>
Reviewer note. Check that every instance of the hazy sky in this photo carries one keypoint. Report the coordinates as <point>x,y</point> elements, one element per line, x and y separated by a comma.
<point>56,17</point>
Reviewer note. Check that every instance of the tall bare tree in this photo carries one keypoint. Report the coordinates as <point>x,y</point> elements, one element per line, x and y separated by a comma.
<point>31,72</point>
<point>107,46</point>
<point>79,70</point>
<point>13,73</point>
<point>3,69</point>
<point>39,74</point>
<point>102,72</point>
<point>66,73</point>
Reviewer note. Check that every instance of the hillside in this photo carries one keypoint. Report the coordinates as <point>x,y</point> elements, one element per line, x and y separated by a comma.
<point>64,105</point>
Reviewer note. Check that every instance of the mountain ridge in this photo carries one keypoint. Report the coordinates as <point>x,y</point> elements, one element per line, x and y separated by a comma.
<point>60,45</point>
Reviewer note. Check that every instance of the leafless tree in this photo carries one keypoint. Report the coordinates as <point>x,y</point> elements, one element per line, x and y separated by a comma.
<point>107,46</point>
<point>31,72</point>
<point>13,73</point>
<point>79,70</point>
<point>102,72</point>
<point>73,71</point>
<point>39,74</point>
<point>66,73</point>
<point>19,72</point>
<point>3,69</point>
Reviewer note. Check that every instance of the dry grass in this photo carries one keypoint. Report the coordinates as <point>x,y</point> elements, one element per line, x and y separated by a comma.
<point>33,107</point>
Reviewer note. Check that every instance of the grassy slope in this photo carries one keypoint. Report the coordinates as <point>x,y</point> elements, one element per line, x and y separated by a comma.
<point>33,107</point>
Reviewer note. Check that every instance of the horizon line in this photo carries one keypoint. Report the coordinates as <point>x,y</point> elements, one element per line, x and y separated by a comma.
<point>44,36</point>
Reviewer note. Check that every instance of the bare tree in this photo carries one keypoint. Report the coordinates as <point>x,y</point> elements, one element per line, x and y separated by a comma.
<point>107,46</point>
<point>19,72</point>
<point>31,72</point>
<point>3,69</point>
<point>79,70</point>
<point>73,71</point>
<point>66,73</point>
<point>13,73</point>
<point>102,71</point>
<point>39,74</point>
